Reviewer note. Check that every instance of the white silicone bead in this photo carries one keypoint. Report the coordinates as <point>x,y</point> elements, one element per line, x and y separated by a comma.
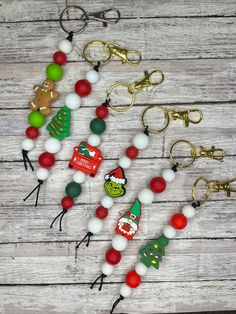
<point>79,177</point>
<point>168,175</point>
<point>124,162</point>
<point>107,269</point>
<point>73,101</point>
<point>107,202</point>
<point>42,174</point>
<point>140,141</point>
<point>119,242</point>
<point>146,196</point>
<point>169,232</point>
<point>92,76</point>
<point>94,140</point>
<point>95,225</point>
<point>52,145</point>
<point>65,46</point>
<point>125,290</point>
<point>188,211</point>
<point>140,269</point>
<point>27,144</point>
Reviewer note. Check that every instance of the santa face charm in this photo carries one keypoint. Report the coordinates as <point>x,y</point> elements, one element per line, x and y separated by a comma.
<point>128,224</point>
<point>115,181</point>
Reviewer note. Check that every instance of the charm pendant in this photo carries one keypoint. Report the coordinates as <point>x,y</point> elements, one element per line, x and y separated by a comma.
<point>114,182</point>
<point>59,127</point>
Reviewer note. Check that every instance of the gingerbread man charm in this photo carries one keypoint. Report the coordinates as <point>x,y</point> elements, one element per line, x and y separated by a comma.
<point>44,96</point>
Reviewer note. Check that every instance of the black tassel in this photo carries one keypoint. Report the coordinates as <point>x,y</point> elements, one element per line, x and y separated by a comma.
<point>116,303</point>
<point>102,276</point>
<point>40,182</point>
<point>62,213</point>
<point>26,159</point>
<point>88,236</point>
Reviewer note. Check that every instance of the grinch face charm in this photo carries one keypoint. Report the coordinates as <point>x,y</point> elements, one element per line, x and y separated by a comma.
<point>115,181</point>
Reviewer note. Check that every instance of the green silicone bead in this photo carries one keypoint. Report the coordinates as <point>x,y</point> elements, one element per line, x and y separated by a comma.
<point>73,189</point>
<point>54,72</point>
<point>163,240</point>
<point>36,119</point>
<point>97,126</point>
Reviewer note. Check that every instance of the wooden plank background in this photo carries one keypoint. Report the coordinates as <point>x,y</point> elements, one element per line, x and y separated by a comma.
<point>193,43</point>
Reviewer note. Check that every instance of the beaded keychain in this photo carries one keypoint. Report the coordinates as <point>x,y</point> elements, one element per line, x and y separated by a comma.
<point>128,224</point>
<point>116,180</point>
<point>153,252</point>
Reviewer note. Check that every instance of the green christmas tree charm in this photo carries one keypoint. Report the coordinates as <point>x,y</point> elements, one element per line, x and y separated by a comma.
<point>152,253</point>
<point>59,126</point>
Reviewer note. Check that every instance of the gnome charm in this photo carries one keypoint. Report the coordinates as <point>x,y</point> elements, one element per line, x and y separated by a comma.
<point>115,181</point>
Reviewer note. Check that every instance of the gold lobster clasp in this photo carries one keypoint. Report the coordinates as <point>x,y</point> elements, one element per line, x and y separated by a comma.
<point>185,116</point>
<point>225,186</point>
<point>213,153</point>
<point>146,81</point>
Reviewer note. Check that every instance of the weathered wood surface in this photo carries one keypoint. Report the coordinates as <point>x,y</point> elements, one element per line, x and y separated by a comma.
<point>193,43</point>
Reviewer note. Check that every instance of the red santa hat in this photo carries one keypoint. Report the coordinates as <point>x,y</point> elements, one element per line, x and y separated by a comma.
<point>116,175</point>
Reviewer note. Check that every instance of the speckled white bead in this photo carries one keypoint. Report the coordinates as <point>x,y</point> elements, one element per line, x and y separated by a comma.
<point>188,211</point>
<point>95,225</point>
<point>73,101</point>
<point>140,269</point>
<point>140,141</point>
<point>146,196</point>
<point>94,140</point>
<point>27,144</point>
<point>52,145</point>
<point>79,177</point>
<point>107,269</point>
<point>92,76</point>
<point>65,46</point>
<point>169,232</point>
<point>107,202</point>
<point>124,162</point>
<point>119,242</point>
<point>125,290</point>
<point>168,175</point>
<point>42,174</point>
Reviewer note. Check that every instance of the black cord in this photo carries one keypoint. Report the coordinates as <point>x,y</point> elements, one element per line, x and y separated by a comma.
<point>70,37</point>
<point>102,276</point>
<point>116,303</point>
<point>146,131</point>
<point>26,159</point>
<point>40,182</point>
<point>62,213</point>
<point>88,235</point>
<point>196,204</point>
<point>174,168</point>
<point>96,67</point>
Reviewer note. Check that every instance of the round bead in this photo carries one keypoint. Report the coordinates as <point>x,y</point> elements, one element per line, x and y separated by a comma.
<point>131,152</point>
<point>36,119</point>
<point>157,184</point>
<point>168,175</point>
<point>107,269</point>
<point>83,88</point>
<point>95,225</point>
<point>54,72</point>
<point>107,202</point>
<point>112,256</point>
<point>97,126</point>
<point>178,221</point>
<point>67,202</point>
<point>102,112</point>
<point>101,212</point>
<point>27,144</point>
<point>59,57</point>
<point>42,174</point>
<point>73,189</point>
<point>92,76</point>
<point>119,242</point>
<point>146,196</point>
<point>79,177</point>
<point>124,162</point>
<point>46,160</point>
<point>52,145</point>
<point>169,232</point>
<point>73,101</point>
<point>140,269</point>
<point>32,132</point>
<point>140,141</point>
<point>65,46</point>
<point>133,279</point>
<point>94,140</point>
<point>125,291</point>
<point>188,211</point>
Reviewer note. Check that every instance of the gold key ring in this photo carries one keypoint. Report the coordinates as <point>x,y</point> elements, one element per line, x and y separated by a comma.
<point>96,42</point>
<point>193,154</point>
<point>207,191</point>
<point>166,118</point>
<point>130,90</point>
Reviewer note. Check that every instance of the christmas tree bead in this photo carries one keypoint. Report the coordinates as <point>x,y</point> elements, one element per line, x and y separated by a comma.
<point>132,279</point>
<point>46,160</point>
<point>54,72</point>
<point>36,119</point>
<point>73,101</point>
<point>124,162</point>
<point>97,126</point>
<point>94,140</point>
<point>140,269</point>
<point>146,196</point>
<point>125,291</point>
<point>119,242</point>
<point>169,232</point>
<point>102,112</point>
<point>140,141</point>
<point>188,211</point>
<point>132,152</point>
<point>27,144</point>
<point>107,269</point>
<point>157,184</point>
<point>73,189</point>
<point>59,126</point>
<point>67,202</point>
<point>163,240</point>
<point>32,132</point>
<point>92,76</point>
<point>95,225</point>
<point>52,145</point>
<point>107,202</point>
<point>42,174</point>
<point>83,88</point>
<point>101,212</point>
<point>178,221</point>
<point>113,256</point>
<point>168,175</point>
<point>60,58</point>
<point>79,177</point>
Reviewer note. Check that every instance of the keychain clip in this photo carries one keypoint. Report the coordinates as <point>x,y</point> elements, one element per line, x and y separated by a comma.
<point>213,153</point>
<point>218,186</point>
<point>146,81</point>
<point>101,16</point>
<point>185,116</point>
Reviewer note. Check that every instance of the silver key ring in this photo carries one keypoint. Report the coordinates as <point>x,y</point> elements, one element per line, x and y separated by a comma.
<point>85,19</point>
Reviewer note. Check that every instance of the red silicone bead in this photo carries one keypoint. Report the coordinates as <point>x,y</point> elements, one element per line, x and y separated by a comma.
<point>131,152</point>
<point>157,184</point>
<point>46,160</point>
<point>83,88</point>
<point>178,221</point>
<point>67,202</point>
<point>132,279</point>
<point>112,256</point>
<point>32,132</point>
<point>102,112</point>
<point>59,57</point>
<point>101,212</point>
